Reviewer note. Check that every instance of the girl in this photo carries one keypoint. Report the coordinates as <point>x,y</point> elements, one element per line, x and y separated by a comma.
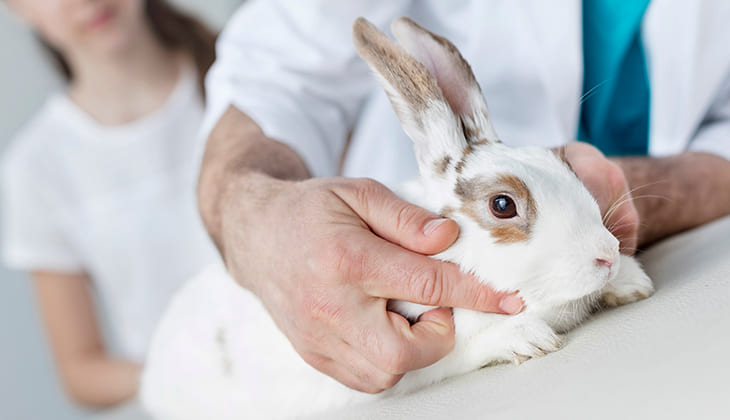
<point>98,187</point>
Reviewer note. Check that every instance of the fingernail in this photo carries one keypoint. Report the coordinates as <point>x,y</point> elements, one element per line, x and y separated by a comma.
<point>432,226</point>
<point>511,304</point>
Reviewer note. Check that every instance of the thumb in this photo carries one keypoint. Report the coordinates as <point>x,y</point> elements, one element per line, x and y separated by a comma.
<point>397,220</point>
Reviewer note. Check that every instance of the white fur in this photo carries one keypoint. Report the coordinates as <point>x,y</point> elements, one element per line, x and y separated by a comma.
<point>217,353</point>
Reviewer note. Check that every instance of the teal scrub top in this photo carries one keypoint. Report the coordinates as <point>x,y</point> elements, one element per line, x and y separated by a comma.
<point>615,104</point>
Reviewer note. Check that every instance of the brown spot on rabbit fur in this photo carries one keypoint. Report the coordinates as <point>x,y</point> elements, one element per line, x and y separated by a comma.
<point>467,151</point>
<point>401,71</point>
<point>447,211</point>
<point>471,133</point>
<point>442,165</point>
<point>475,195</point>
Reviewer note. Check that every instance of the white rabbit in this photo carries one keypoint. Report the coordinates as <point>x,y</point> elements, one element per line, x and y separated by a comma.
<point>527,224</point>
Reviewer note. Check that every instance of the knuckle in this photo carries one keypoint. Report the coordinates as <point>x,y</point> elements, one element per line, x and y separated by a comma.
<point>406,215</point>
<point>386,381</point>
<point>369,388</point>
<point>399,363</point>
<point>368,185</point>
<point>323,309</point>
<point>313,360</point>
<point>375,382</point>
<point>358,193</point>
<point>614,175</point>
<point>390,381</point>
<point>344,258</point>
<point>483,298</point>
<point>396,360</point>
<point>365,190</point>
<point>428,285</point>
<point>586,148</point>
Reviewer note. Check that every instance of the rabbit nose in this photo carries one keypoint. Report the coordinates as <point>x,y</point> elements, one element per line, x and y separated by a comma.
<point>607,262</point>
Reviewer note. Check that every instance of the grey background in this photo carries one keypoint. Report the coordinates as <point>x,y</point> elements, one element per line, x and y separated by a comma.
<point>29,387</point>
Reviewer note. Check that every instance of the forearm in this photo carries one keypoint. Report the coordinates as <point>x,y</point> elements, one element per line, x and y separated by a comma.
<point>97,380</point>
<point>677,193</point>
<point>237,149</point>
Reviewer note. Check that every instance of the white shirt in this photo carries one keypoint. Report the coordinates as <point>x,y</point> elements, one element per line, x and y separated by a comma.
<point>117,203</point>
<point>291,66</point>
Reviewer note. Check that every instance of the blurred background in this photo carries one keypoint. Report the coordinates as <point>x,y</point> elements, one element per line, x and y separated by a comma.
<point>29,386</point>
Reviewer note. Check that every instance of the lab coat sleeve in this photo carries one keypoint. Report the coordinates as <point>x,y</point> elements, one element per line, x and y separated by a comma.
<point>713,134</point>
<point>291,66</point>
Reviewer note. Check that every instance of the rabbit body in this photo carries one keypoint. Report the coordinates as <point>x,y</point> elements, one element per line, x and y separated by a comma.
<point>218,354</point>
<point>527,224</point>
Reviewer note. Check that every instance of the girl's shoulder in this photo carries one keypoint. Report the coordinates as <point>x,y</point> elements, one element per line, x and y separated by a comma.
<point>36,139</point>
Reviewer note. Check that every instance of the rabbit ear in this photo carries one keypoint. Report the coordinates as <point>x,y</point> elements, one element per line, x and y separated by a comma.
<point>453,75</point>
<point>416,97</point>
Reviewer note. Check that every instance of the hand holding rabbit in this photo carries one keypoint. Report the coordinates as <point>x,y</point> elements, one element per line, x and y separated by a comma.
<point>338,249</point>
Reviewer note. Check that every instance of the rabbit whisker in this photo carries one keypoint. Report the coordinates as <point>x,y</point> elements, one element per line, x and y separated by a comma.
<point>590,92</point>
<point>628,193</point>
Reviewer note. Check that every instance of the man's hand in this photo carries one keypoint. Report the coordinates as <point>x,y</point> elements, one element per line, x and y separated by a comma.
<point>607,183</point>
<point>325,255</point>
<point>645,199</point>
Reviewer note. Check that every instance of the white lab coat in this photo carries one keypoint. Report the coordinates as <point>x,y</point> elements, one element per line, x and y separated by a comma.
<point>291,66</point>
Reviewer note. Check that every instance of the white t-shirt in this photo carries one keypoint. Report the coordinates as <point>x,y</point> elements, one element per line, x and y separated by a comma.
<point>116,202</point>
<point>292,67</point>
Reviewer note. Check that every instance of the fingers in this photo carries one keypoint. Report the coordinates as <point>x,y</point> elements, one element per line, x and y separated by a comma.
<point>376,356</point>
<point>373,347</point>
<point>617,206</point>
<point>352,369</point>
<point>391,272</point>
<point>403,348</point>
<point>397,220</point>
<point>431,338</point>
<point>607,183</point>
<point>623,223</point>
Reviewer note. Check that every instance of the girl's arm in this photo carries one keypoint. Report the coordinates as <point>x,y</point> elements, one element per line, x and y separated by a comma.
<point>90,375</point>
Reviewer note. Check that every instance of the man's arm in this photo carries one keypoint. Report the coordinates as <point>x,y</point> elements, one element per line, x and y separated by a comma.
<point>677,193</point>
<point>325,254</point>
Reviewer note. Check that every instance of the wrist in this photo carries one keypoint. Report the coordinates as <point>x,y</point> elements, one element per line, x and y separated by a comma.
<point>236,149</point>
<point>245,201</point>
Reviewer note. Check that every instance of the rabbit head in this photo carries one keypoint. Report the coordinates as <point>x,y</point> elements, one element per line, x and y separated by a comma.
<point>527,222</point>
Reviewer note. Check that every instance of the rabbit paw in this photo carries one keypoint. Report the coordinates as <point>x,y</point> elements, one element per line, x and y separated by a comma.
<point>533,340</point>
<point>631,284</point>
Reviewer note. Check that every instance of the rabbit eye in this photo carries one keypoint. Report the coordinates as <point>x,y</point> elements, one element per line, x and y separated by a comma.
<point>503,207</point>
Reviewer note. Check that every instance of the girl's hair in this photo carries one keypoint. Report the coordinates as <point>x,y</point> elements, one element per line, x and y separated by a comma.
<point>175,29</point>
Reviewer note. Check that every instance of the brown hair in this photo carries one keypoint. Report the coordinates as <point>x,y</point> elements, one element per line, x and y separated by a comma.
<point>175,29</point>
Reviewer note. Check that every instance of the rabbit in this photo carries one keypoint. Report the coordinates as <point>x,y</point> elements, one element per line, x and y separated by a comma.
<point>527,224</point>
